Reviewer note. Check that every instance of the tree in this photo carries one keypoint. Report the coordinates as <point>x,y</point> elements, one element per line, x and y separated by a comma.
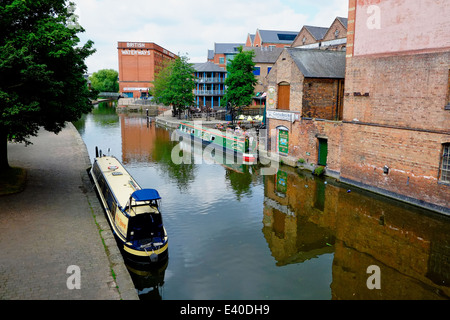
<point>161,81</point>
<point>240,81</point>
<point>42,70</point>
<point>105,80</point>
<point>174,85</point>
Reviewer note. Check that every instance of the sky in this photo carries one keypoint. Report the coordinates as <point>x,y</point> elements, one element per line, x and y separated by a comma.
<point>192,27</point>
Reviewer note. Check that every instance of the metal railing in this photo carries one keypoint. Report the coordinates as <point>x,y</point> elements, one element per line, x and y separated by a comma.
<point>210,80</point>
<point>209,92</point>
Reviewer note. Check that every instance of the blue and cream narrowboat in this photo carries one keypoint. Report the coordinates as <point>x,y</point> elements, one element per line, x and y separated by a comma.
<point>133,213</point>
<point>232,142</point>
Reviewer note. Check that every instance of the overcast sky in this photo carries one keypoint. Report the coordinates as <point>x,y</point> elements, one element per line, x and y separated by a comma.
<point>191,27</point>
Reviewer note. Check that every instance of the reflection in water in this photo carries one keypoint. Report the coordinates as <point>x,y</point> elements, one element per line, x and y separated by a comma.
<point>101,128</point>
<point>148,282</point>
<point>234,234</point>
<point>305,217</point>
<point>294,234</point>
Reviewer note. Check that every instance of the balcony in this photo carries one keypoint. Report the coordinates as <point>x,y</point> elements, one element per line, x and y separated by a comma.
<point>209,92</point>
<point>210,80</point>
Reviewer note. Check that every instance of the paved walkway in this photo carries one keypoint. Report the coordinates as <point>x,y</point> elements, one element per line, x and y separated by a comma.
<point>57,222</point>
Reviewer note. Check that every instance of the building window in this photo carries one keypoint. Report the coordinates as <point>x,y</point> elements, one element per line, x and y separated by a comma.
<point>284,92</point>
<point>221,60</point>
<point>257,71</point>
<point>447,107</point>
<point>445,164</point>
<point>336,34</point>
<point>268,70</point>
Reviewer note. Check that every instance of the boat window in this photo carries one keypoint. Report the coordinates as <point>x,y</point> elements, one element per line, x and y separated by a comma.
<point>145,226</point>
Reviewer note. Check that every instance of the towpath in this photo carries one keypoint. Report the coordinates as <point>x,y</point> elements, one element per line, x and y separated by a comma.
<point>54,235</point>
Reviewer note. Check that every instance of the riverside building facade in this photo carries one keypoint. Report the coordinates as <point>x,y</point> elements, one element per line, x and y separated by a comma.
<point>396,120</point>
<point>138,64</point>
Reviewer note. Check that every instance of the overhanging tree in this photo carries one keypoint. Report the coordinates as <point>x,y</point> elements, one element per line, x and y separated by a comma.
<point>240,81</point>
<point>42,69</point>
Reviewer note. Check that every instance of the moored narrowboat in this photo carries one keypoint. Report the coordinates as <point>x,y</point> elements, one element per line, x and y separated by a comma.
<point>133,213</point>
<point>234,142</point>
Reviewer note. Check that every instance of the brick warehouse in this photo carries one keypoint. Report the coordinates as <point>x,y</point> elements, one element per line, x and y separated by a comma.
<point>138,64</point>
<point>396,119</point>
<point>304,112</point>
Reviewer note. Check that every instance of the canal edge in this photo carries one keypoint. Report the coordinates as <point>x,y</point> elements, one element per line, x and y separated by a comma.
<point>119,272</point>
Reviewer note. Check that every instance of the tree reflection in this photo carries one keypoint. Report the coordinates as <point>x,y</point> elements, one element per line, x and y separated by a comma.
<point>183,173</point>
<point>240,181</point>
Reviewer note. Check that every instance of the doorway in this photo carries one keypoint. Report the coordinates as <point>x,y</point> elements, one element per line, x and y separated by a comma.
<point>323,152</point>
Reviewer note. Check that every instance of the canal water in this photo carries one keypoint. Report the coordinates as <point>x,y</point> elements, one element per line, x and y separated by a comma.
<point>235,234</point>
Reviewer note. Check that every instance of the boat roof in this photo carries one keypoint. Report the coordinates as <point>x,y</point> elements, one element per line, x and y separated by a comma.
<point>120,181</point>
<point>224,134</point>
<point>146,195</point>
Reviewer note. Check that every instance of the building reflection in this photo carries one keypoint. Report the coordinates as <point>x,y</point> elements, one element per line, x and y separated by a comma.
<point>138,138</point>
<point>305,217</point>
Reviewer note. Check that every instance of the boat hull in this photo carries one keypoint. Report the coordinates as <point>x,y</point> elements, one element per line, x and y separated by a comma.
<point>142,257</point>
<point>227,144</point>
<point>135,252</point>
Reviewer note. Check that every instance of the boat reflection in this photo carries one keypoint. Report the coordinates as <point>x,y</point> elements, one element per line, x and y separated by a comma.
<point>149,282</point>
<point>306,216</point>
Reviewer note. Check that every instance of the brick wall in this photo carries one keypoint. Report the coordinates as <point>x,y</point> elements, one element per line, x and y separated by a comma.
<point>315,98</point>
<point>336,25</point>
<point>403,90</point>
<point>138,64</point>
<point>285,70</point>
<point>304,34</point>
<point>322,98</point>
<point>306,134</point>
<point>394,116</point>
<point>413,159</point>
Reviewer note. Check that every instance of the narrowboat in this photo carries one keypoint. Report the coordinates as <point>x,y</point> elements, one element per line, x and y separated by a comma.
<point>231,141</point>
<point>133,213</point>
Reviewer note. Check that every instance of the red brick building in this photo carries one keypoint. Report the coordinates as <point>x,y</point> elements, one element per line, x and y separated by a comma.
<point>270,38</point>
<point>332,38</point>
<point>304,107</point>
<point>396,120</point>
<point>223,53</point>
<point>138,64</point>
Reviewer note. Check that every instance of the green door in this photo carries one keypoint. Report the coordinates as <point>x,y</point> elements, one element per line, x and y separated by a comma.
<point>283,141</point>
<point>323,152</point>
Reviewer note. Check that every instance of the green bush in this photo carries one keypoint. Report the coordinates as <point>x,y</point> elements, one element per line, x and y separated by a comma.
<point>319,170</point>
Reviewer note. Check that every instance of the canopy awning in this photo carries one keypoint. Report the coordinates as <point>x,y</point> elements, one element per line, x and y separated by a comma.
<point>145,195</point>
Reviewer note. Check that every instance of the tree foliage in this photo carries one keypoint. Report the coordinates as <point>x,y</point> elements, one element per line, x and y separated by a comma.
<point>240,81</point>
<point>174,85</point>
<point>42,69</point>
<point>105,80</point>
<point>161,82</point>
